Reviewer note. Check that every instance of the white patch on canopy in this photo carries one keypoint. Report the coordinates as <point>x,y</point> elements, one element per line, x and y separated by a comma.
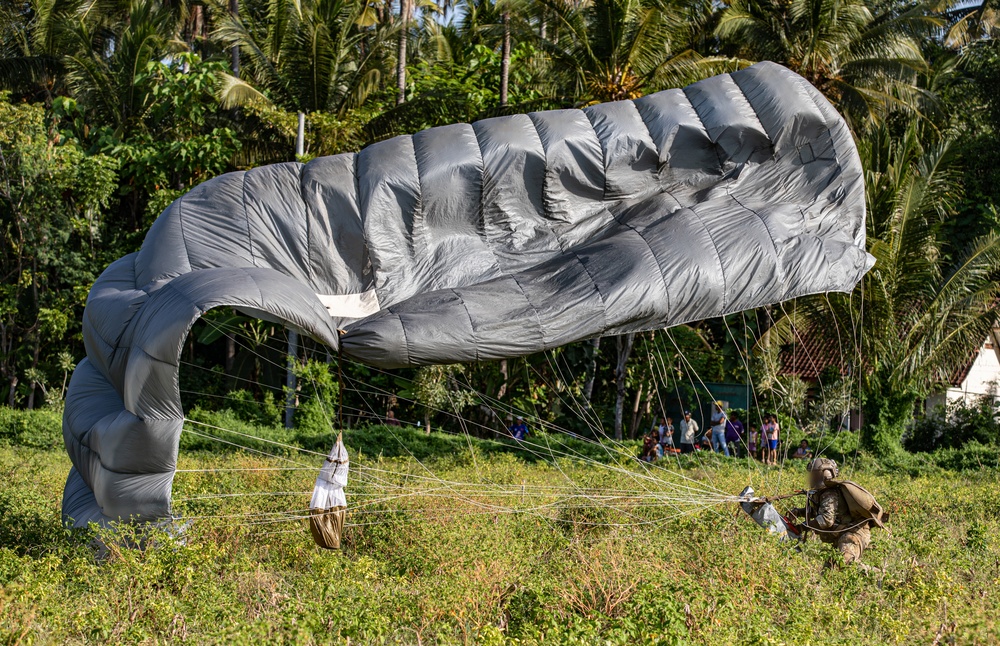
<point>351,306</point>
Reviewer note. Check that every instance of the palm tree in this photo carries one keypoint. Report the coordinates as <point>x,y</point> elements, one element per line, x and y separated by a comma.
<point>971,23</point>
<point>620,49</point>
<point>30,46</point>
<point>91,50</point>
<point>924,308</point>
<point>107,53</point>
<point>405,16</point>
<point>305,56</point>
<point>865,55</point>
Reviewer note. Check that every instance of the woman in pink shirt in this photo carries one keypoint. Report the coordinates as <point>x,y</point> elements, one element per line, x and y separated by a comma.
<point>772,439</point>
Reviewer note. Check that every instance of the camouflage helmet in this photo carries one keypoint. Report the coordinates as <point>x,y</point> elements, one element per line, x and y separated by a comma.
<point>824,465</point>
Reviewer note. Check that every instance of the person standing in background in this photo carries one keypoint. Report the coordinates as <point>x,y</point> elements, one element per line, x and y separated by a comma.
<point>734,434</point>
<point>689,433</point>
<point>719,429</point>
<point>771,438</point>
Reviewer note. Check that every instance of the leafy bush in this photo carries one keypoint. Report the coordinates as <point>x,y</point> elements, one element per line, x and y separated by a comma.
<point>246,407</point>
<point>955,426</point>
<point>40,428</point>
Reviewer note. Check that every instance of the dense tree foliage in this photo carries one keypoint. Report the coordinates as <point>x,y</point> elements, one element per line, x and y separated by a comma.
<point>115,107</point>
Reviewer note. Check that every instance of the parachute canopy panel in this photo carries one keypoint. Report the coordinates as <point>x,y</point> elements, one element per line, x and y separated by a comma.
<point>468,242</point>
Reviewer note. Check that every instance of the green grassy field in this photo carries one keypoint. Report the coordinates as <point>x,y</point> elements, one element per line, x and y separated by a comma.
<point>441,566</point>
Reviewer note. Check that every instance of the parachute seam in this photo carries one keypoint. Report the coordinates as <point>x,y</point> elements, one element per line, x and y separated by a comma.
<point>771,137</point>
<point>417,228</point>
<point>310,272</point>
<point>482,209</point>
<point>534,309</point>
<point>481,224</point>
<point>100,463</point>
<point>756,116</point>
<point>715,145</point>
<point>482,218</point>
<point>604,157</point>
<point>656,258</point>
<point>729,184</point>
<point>406,338</point>
<point>833,143</point>
<point>472,326</point>
<point>545,185</point>
<point>774,244</point>
<point>649,135</point>
<point>722,267</point>
<point>604,303</point>
<point>180,223</point>
<point>246,217</point>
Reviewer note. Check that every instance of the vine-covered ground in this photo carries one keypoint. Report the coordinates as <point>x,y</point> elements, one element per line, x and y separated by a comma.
<point>441,565</point>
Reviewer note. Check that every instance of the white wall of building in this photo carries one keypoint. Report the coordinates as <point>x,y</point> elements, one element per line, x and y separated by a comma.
<point>981,381</point>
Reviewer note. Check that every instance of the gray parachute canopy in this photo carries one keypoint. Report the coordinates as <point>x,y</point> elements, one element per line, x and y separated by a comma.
<point>466,242</point>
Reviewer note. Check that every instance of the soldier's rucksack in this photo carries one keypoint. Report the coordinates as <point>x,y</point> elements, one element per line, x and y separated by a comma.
<point>861,502</point>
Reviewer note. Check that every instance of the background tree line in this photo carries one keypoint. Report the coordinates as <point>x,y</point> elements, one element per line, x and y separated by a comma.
<point>113,108</point>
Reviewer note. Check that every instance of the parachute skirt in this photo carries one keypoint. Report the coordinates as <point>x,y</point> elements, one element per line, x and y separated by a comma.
<point>467,242</point>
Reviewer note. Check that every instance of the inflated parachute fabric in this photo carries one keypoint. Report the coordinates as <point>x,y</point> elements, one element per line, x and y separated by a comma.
<point>466,242</point>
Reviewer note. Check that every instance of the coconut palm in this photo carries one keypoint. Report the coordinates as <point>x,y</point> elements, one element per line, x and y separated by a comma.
<point>304,55</point>
<point>969,23</point>
<point>108,49</point>
<point>865,55</point>
<point>90,49</point>
<point>30,46</point>
<point>619,49</point>
<point>923,309</point>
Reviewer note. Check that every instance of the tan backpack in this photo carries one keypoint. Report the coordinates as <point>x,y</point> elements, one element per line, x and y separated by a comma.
<point>861,502</point>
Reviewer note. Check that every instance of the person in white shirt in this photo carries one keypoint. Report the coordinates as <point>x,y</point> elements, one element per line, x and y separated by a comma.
<point>689,433</point>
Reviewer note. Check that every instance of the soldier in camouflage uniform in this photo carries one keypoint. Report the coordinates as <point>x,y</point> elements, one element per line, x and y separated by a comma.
<point>839,511</point>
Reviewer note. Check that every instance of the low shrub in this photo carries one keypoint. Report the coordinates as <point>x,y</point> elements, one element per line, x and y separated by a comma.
<point>40,428</point>
<point>955,426</point>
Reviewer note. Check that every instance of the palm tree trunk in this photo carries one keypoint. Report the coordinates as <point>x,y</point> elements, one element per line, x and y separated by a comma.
<point>633,431</point>
<point>588,384</point>
<point>234,53</point>
<point>230,353</point>
<point>624,343</point>
<point>506,379</point>
<point>404,18</point>
<point>505,59</point>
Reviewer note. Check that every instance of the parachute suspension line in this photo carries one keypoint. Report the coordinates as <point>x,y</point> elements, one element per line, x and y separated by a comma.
<point>745,360</point>
<point>859,342</point>
<point>656,360</point>
<point>598,430</point>
<point>530,446</point>
<point>699,491</point>
<point>820,446</point>
<point>573,454</point>
<point>584,412</point>
<point>551,453</point>
<point>688,370</point>
<point>247,448</point>
<point>258,439</point>
<point>340,381</point>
